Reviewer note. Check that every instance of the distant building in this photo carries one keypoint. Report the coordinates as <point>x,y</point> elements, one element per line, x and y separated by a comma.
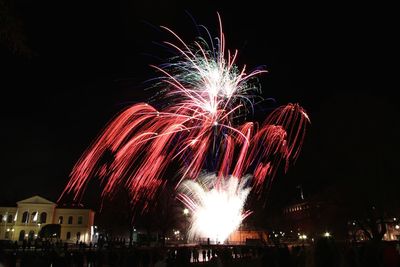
<point>304,217</point>
<point>30,215</point>
<point>392,230</point>
<point>248,236</point>
<point>312,218</point>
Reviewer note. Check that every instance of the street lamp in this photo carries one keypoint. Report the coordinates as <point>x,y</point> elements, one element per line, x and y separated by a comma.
<point>327,234</point>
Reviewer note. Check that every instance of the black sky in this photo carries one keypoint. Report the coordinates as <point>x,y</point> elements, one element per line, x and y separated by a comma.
<point>89,60</point>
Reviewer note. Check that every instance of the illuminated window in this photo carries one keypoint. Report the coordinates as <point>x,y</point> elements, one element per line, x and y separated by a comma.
<point>60,219</point>
<point>34,216</point>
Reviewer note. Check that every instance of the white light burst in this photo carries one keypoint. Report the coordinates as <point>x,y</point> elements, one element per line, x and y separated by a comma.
<point>216,205</point>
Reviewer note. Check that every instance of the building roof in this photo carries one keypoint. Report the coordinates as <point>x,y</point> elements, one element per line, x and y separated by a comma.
<point>35,200</point>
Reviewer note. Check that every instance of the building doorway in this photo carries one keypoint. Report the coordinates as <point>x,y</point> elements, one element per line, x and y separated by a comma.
<point>21,235</point>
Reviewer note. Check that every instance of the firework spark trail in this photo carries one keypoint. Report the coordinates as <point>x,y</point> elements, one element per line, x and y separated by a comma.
<point>216,205</point>
<point>206,94</point>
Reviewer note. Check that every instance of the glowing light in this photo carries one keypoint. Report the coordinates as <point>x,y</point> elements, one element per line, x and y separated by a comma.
<point>216,205</point>
<point>203,119</point>
<point>186,211</point>
<point>397,227</point>
<point>35,217</point>
<point>327,234</point>
<point>303,237</point>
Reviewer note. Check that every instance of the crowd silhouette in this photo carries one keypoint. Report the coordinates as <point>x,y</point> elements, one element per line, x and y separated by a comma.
<point>321,253</point>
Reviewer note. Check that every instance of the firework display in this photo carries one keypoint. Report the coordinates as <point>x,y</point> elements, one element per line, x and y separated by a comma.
<point>201,125</point>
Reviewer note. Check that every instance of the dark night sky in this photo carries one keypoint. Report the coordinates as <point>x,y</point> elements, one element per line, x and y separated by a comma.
<point>88,60</point>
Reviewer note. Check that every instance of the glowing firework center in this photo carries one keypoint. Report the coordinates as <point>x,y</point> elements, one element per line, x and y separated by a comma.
<point>216,204</point>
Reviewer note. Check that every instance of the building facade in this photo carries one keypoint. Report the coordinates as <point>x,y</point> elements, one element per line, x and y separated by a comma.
<point>241,237</point>
<point>25,221</point>
<point>312,219</point>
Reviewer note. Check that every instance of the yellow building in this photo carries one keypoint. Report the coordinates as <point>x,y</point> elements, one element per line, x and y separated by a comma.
<point>26,219</point>
<point>246,236</point>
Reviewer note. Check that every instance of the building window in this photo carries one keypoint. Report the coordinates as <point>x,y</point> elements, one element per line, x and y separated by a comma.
<point>34,216</point>
<point>7,235</point>
<point>25,217</point>
<point>60,220</point>
<point>68,235</point>
<point>70,220</point>
<point>21,235</point>
<point>78,236</point>
<point>43,217</point>
<point>10,218</point>
<point>31,235</point>
<point>80,220</point>
<point>1,217</point>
